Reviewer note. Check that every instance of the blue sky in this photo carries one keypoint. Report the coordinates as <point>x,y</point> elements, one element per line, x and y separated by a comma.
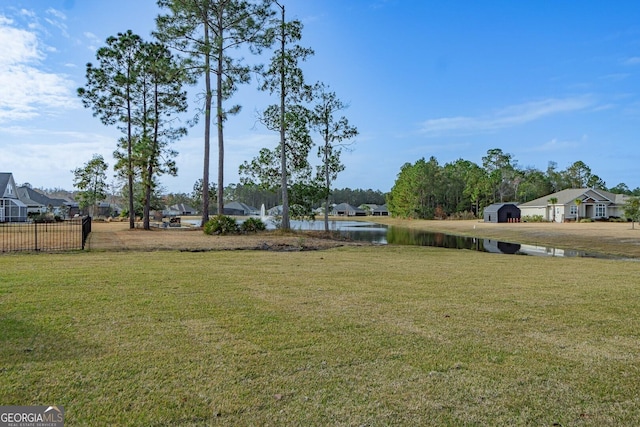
<point>544,81</point>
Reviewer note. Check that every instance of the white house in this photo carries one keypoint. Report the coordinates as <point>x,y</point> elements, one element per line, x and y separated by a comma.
<point>594,204</point>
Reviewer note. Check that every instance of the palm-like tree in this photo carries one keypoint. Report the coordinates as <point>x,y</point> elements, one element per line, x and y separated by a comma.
<point>553,201</point>
<point>578,202</point>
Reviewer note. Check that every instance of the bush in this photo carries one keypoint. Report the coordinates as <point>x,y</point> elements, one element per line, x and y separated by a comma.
<point>586,220</point>
<point>252,225</point>
<point>533,218</point>
<point>221,224</point>
<point>44,218</point>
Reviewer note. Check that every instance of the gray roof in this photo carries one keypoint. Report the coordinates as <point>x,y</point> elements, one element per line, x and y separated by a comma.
<point>347,208</point>
<point>23,194</point>
<point>5,178</point>
<point>27,194</point>
<point>569,195</point>
<point>495,207</point>
<point>182,207</point>
<point>240,206</point>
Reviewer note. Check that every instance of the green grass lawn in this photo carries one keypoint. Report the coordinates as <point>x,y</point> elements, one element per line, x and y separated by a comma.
<point>353,336</point>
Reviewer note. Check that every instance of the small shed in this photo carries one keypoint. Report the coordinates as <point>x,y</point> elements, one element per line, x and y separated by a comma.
<point>502,212</point>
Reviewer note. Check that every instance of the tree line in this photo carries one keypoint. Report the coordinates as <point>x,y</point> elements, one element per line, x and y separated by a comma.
<point>138,86</point>
<point>428,190</point>
<point>256,196</point>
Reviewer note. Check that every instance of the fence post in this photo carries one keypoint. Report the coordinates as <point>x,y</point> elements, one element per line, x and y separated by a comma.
<point>35,235</point>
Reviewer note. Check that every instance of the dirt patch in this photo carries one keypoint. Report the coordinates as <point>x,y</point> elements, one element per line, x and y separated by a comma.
<point>118,236</point>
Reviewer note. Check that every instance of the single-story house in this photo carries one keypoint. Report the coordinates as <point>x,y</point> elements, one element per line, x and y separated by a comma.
<point>594,204</point>
<point>38,202</point>
<point>502,212</point>
<point>345,209</point>
<point>380,211</point>
<point>33,207</point>
<point>12,209</point>
<point>183,209</point>
<point>374,209</point>
<point>240,209</point>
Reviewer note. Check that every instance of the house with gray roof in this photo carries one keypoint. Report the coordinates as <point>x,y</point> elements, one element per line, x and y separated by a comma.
<point>240,209</point>
<point>12,209</point>
<point>39,203</point>
<point>345,209</point>
<point>380,211</point>
<point>593,203</point>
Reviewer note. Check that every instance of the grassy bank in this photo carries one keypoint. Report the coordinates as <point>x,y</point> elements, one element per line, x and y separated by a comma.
<point>347,336</point>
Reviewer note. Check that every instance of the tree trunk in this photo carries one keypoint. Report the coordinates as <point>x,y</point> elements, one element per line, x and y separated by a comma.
<point>132,214</point>
<point>327,177</point>
<point>146,224</point>
<point>220,118</point>
<point>286,224</point>
<point>207,126</point>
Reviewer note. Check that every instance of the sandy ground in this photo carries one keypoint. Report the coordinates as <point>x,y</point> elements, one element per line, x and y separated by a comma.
<point>118,236</point>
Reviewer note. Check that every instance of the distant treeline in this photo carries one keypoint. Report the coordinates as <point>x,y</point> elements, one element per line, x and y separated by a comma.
<point>429,190</point>
<point>255,196</point>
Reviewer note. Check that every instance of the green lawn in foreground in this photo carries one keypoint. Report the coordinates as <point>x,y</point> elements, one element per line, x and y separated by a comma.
<point>353,336</point>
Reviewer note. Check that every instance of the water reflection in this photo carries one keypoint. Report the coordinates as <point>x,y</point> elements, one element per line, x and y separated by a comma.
<point>404,236</point>
<point>360,231</point>
<point>370,232</point>
<point>381,234</point>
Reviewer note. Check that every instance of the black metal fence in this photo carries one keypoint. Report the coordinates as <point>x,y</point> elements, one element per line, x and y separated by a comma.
<point>45,236</point>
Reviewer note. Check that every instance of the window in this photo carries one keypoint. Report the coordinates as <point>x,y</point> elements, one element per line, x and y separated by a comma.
<point>601,210</point>
<point>573,210</point>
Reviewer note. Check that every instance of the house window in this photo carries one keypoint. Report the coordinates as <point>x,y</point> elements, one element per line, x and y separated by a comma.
<point>573,210</point>
<point>601,210</point>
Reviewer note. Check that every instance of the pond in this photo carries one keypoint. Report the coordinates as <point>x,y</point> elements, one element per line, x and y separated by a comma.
<point>364,231</point>
<point>380,234</point>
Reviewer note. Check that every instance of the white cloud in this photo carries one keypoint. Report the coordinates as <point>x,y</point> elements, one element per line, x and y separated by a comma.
<point>511,116</point>
<point>27,90</point>
<point>57,20</point>
<point>94,41</point>
<point>29,13</point>
<point>17,45</point>
<point>49,164</point>
<point>56,13</point>
<point>635,60</point>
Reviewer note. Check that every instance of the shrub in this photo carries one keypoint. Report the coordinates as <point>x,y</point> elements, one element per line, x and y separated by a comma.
<point>252,225</point>
<point>221,224</point>
<point>44,217</point>
<point>533,218</point>
<point>586,220</point>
